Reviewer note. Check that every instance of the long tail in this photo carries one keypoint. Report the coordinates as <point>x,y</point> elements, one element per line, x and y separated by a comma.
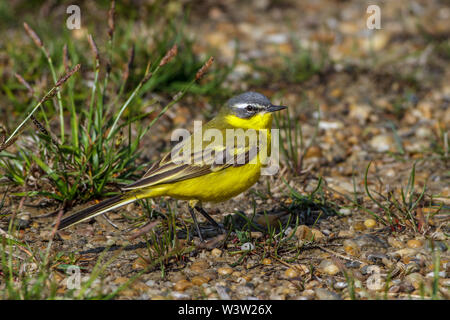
<point>97,209</point>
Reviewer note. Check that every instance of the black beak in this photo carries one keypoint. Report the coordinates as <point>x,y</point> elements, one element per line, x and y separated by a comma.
<point>273,108</point>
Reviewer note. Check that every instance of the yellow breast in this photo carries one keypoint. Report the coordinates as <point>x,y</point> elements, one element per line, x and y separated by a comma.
<point>227,183</point>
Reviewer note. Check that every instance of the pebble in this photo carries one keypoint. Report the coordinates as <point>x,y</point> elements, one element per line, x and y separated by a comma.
<point>266,261</point>
<point>216,252</point>
<point>149,283</point>
<point>22,220</point>
<point>360,112</point>
<point>370,223</point>
<point>179,295</point>
<point>199,266</point>
<point>313,152</point>
<point>414,243</point>
<point>65,235</point>
<point>440,274</point>
<point>317,234</point>
<point>340,285</point>
<point>222,292</point>
<point>345,211</point>
<point>199,280</point>
<point>182,285</point>
<point>351,247</point>
<point>405,252</point>
<point>291,273</point>
<point>415,279</point>
<point>346,233</point>
<point>256,234</point>
<point>328,267</point>
<point>324,294</point>
<point>359,226</point>
<point>353,264</point>
<point>248,246</point>
<point>395,243</point>
<point>376,258</point>
<point>224,271</point>
<point>436,245</point>
<point>370,241</point>
<point>139,263</point>
<point>303,233</point>
<point>382,143</point>
<point>308,293</point>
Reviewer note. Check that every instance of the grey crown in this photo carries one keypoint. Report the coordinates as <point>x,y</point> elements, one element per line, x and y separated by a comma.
<point>250,98</point>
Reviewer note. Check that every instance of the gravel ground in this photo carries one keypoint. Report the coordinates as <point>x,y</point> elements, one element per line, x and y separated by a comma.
<point>383,96</point>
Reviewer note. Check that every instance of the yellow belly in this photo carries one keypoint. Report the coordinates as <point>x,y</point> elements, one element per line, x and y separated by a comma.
<point>221,185</point>
<point>214,187</point>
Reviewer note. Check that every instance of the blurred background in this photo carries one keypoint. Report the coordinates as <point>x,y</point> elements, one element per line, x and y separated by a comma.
<point>365,138</point>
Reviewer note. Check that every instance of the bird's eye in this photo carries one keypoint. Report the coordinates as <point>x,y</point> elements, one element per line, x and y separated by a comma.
<point>250,108</point>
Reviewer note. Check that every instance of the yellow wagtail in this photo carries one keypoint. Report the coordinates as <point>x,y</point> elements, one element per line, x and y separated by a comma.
<point>214,178</point>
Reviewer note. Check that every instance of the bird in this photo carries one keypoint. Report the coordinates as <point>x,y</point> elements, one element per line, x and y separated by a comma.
<point>210,172</point>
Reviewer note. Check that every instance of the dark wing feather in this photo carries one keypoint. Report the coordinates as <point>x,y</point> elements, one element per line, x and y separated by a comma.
<point>169,172</point>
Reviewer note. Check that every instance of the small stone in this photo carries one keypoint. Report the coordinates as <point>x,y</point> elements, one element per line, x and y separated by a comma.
<point>22,220</point>
<point>179,295</point>
<point>313,152</point>
<point>158,297</point>
<point>324,294</point>
<point>370,223</point>
<point>436,245</point>
<point>440,274</point>
<point>256,234</point>
<point>199,280</point>
<point>224,271</point>
<point>120,280</point>
<point>139,263</point>
<point>199,266</point>
<point>128,293</point>
<point>370,241</point>
<point>351,247</point>
<point>394,289</point>
<point>346,234</point>
<point>182,285</point>
<point>308,293</point>
<point>328,267</point>
<point>413,243</point>
<point>291,273</point>
<point>303,233</point>
<point>406,252</point>
<point>266,261</point>
<point>360,112</point>
<point>317,234</point>
<point>223,292</point>
<point>150,283</point>
<point>359,226</point>
<point>395,243</point>
<point>65,235</point>
<point>415,279</point>
<point>345,211</point>
<point>353,264</point>
<point>248,246</point>
<point>216,252</point>
<point>382,143</point>
<point>340,285</point>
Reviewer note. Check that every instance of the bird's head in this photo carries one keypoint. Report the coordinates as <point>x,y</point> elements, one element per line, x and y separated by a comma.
<point>251,110</point>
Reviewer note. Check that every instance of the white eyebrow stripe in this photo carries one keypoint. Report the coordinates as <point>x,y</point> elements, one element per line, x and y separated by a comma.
<point>244,105</point>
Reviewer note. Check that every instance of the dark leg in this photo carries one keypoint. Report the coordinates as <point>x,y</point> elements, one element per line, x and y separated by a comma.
<point>208,217</point>
<point>191,211</point>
